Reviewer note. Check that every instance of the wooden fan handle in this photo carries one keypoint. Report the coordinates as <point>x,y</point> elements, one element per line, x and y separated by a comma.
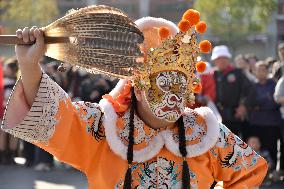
<point>13,40</point>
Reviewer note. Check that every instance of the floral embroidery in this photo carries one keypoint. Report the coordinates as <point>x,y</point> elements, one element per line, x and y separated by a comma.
<point>194,130</point>
<point>201,132</point>
<point>238,154</point>
<point>161,173</point>
<point>140,131</point>
<point>91,114</point>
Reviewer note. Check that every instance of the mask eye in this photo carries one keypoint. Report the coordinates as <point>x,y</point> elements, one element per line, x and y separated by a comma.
<point>183,89</point>
<point>164,86</point>
<point>163,83</point>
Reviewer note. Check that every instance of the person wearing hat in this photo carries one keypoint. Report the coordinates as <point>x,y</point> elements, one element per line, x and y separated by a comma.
<point>141,135</point>
<point>242,63</point>
<point>232,89</point>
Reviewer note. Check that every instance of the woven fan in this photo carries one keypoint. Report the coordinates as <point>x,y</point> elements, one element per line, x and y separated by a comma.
<point>100,39</point>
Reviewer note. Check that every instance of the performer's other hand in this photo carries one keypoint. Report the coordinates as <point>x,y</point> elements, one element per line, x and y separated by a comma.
<point>241,112</point>
<point>30,54</point>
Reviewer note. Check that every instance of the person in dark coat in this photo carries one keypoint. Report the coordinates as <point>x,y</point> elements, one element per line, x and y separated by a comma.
<point>264,116</point>
<point>232,89</point>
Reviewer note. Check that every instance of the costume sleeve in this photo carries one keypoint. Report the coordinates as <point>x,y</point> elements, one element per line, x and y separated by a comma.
<point>69,131</point>
<point>235,163</point>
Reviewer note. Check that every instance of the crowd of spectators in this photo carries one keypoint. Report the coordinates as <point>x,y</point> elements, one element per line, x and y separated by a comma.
<point>249,96</point>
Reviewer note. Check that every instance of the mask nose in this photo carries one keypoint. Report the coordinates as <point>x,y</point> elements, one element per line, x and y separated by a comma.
<point>175,98</point>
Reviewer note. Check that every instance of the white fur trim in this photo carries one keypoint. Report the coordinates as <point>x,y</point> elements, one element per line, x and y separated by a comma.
<point>149,22</point>
<point>115,143</point>
<point>208,140</point>
<point>118,88</point>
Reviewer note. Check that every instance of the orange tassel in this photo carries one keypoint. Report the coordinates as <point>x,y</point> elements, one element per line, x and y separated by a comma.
<point>184,25</point>
<point>205,46</point>
<point>201,27</point>
<point>164,32</point>
<point>197,88</point>
<point>193,16</point>
<point>200,66</point>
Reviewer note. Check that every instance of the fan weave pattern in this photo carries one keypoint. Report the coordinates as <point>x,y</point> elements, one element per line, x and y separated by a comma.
<point>102,40</point>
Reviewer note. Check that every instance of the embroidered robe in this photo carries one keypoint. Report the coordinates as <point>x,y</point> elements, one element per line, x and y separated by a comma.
<point>93,139</point>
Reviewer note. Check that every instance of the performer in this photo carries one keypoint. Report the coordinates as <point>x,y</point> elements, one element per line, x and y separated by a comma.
<point>141,135</point>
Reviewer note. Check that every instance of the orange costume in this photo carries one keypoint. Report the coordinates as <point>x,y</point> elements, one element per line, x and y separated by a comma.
<point>94,139</point>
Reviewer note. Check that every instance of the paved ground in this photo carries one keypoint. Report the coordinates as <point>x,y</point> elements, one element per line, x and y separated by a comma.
<point>17,177</point>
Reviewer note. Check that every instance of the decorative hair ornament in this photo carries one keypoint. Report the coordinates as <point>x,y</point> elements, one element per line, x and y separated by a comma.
<point>201,27</point>
<point>193,16</point>
<point>164,32</point>
<point>205,46</point>
<point>177,53</point>
<point>200,67</point>
<point>121,102</point>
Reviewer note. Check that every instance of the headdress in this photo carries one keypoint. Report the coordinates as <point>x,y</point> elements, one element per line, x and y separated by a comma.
<point>167,47</point>
<point>173,49</point>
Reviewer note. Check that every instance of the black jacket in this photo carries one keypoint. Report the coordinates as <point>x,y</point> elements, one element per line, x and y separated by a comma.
<point>232,89</point>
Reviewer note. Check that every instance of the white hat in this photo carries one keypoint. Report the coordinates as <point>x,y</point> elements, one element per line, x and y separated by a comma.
<point>220,51</point>
<point>150,22</point>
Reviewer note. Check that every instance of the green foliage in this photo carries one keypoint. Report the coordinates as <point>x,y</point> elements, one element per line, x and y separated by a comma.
<point>232,20</point>
<point>20,13</point>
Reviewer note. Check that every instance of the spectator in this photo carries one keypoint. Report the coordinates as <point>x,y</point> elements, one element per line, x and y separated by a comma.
<point>76,77</point>
<point>256,145</point>
<point>8,144</point>
<point>208,83</point>
<point>270,61</point>
<point>264,117</point>
<point>50,67</point>
<point>279,98</point>
<point>232,89</point>
<point>251,59</point>
<point>279,95</point>
<point>10,76</point>
<point>278,67</point>
<point>92,89</point>
<point>243,64</point>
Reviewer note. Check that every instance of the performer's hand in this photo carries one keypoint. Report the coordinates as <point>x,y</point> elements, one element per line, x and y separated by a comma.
<point>30,54</point>
<point>28,57</point>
